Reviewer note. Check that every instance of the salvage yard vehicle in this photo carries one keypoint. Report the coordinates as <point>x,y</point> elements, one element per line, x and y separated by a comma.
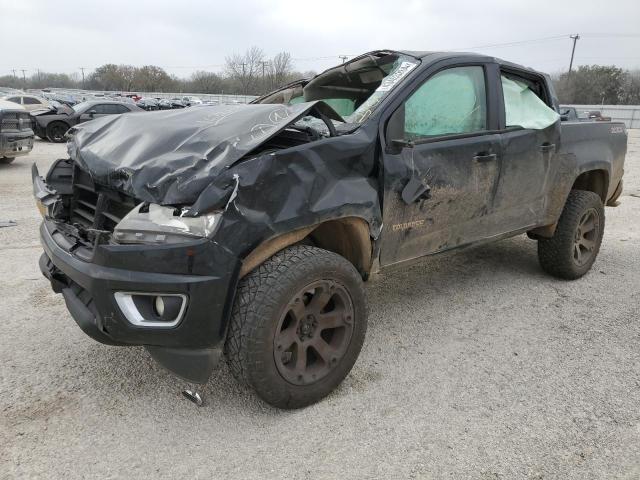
<point>16,134</point>
<point>29,102</point>
<point>53,124</point>
<point>248,230</point>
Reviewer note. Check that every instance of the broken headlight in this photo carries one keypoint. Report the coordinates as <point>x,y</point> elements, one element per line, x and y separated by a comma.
<point>151,223</point>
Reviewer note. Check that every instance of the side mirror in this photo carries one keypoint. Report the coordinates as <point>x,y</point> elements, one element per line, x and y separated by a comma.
<point>92,113</point>
<point>564,118</point>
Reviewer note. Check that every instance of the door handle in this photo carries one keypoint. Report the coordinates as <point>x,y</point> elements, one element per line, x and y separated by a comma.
<point>484,157</point>
<point>548,147</point>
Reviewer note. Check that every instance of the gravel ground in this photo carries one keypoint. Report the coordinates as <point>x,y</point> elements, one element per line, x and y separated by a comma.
<point>476,365</point>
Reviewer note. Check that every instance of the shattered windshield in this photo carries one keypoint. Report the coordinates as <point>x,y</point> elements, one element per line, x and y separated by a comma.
<point>354,90</point>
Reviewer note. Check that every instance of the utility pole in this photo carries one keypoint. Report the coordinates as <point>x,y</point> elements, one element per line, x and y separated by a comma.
<point>573,50</point>
<point>14,73</point>
<point>82,70</point>
<point>263,65</point>
<point>244,82</point>
<point>343,57</point>
<point>24,79</point>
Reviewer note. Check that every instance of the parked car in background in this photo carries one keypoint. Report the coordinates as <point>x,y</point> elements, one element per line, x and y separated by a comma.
<point>29,102</point>
<point>177,103</point>
<point>53,124</point>
<point>148,104</point>
<point>16,134</point>
<point>164,104</point>
<point>191,100</point>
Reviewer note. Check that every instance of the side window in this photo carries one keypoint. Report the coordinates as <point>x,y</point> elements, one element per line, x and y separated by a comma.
<point>31,101</point>
<point>452,101</point>
<point>120,109</point>
<point>99,109</point>
<point>15,100</point>
<point>523,107</point>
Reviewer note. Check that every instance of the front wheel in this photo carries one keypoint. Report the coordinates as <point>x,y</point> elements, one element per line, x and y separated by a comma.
<point>570,253</point>
<point>297,326</point>
<point>56,131</point>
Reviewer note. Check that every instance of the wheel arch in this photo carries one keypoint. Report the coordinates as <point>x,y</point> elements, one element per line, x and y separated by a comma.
<point>348,237</point>
<point>595,180</point>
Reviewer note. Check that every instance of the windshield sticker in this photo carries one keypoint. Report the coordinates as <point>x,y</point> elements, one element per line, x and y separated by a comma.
<point>392,79</point>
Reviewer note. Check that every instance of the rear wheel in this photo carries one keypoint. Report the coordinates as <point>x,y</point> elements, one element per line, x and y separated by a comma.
<point>56,131</point>
<point>571,251</point>
<point>6,160</point>
<point>297,326</point>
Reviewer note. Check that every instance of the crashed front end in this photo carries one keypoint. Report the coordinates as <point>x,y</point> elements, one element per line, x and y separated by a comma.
<point>141,231</point>
<point>168,294</point>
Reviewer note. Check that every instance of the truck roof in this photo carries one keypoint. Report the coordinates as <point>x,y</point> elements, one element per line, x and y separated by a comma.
<point>440,55</point>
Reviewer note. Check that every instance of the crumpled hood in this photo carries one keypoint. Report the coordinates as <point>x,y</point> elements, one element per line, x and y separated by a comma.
<point>170,157</point>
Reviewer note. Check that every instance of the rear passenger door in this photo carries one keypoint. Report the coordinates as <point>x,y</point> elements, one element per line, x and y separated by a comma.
<point>441,165</point>
<point>530,139</point>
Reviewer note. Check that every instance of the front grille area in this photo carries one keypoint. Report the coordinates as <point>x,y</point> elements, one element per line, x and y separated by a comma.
<point>96,207</point>
<point>15,121</point>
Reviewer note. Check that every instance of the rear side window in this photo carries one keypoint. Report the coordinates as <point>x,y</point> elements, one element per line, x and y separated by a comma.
<point>31,101</point>
<point>15,100</point>
<point>523,107</point>
<point>100,109</point>
<point>453,101</point>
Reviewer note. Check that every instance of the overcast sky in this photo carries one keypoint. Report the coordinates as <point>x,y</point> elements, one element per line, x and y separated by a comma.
<point>183,36</point>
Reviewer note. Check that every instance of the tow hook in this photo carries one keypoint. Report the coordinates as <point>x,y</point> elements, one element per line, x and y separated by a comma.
<point>193,396</point>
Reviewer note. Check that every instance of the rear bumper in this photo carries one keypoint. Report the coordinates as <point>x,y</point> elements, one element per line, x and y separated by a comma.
<point>15,144</point>
<point>193,347</point>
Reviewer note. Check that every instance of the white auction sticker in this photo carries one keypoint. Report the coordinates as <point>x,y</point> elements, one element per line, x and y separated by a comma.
<point>390,80</point>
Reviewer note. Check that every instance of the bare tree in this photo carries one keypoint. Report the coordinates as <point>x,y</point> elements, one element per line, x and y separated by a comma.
<point>245,69</point>
<point>204,82</point>
<point>281,67</point>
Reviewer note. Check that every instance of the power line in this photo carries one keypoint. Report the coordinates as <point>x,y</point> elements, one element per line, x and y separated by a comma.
<point>511,44</point>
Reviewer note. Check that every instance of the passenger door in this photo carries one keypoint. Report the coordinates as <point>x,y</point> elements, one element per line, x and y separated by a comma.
<point>530,139</point>
<point>441,166</point>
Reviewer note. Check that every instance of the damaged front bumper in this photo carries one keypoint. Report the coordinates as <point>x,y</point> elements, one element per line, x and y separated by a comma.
<point>190,347</point>
<point>15,144</point>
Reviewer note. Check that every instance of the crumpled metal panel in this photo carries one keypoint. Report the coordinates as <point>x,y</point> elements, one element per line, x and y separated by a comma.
<point>169,157</point>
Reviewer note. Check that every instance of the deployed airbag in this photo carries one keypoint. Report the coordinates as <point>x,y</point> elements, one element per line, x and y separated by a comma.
<point>524,108</point>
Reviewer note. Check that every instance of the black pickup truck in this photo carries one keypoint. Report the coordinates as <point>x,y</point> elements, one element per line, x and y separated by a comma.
<point>248,230</point>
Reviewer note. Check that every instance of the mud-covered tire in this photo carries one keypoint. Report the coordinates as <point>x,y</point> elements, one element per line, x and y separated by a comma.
<point>276,295</point>
<point>564,255</point>
<point>56,131</point>
<point>6,160</point>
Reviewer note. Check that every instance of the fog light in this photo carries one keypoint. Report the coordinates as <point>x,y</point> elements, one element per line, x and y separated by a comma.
<point>159,304</point>
<point>152,310</point>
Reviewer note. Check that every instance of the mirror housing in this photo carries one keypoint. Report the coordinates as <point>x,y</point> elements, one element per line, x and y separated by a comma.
<point>394,133</point>
<point>92,113</point>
